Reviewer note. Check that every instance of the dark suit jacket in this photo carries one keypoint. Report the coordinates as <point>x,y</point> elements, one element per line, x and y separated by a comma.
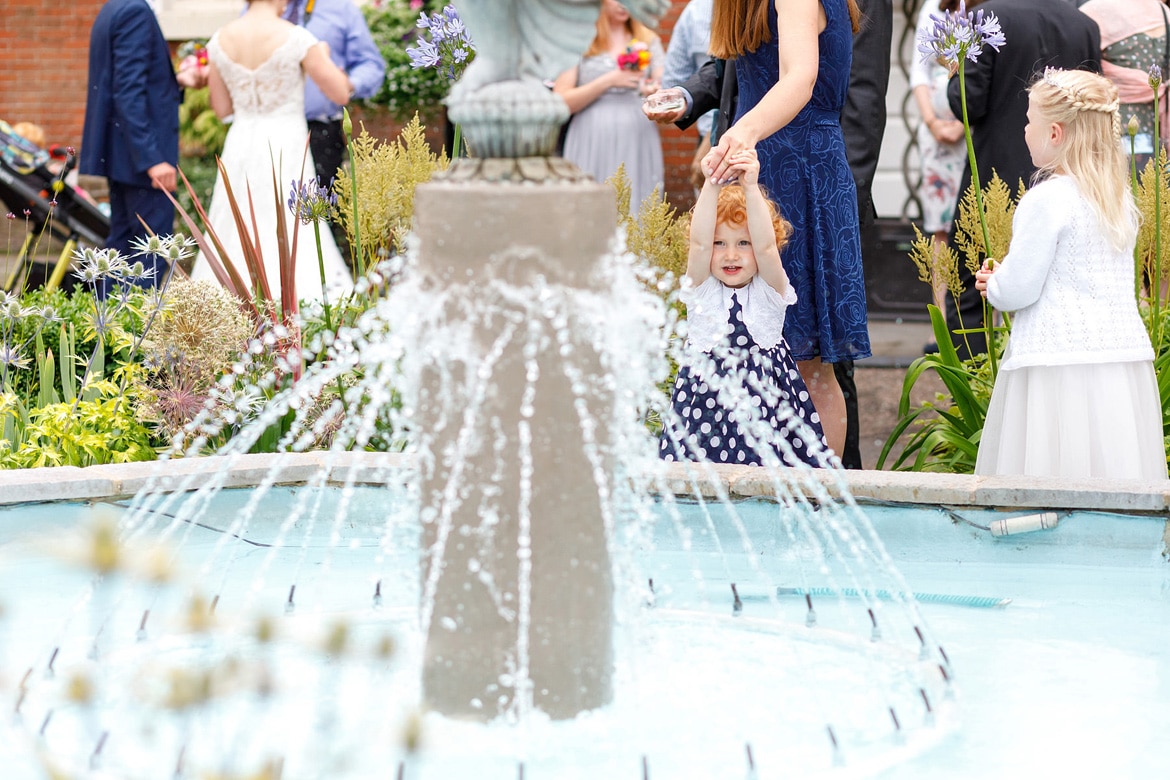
<point>712,86</point>
<point>1039,33</point>
<point>132,105</point>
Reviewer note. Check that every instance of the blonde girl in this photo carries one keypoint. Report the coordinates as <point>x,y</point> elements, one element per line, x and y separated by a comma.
<point>1076,394</point>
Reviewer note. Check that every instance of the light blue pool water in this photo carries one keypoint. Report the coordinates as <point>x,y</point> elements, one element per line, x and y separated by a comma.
<point>1069,677</point>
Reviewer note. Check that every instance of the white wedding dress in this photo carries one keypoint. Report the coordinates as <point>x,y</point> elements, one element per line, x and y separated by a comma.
<point>269,133</point>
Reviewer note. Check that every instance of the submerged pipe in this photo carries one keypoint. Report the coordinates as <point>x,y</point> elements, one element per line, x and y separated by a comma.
<point>1042,521</point>
<point>290,605</point>
<point>378,595</point>
<point>810,619</point>
<point>736,604</point>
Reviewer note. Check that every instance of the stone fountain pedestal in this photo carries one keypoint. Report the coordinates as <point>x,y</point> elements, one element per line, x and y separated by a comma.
<point>523,602</point>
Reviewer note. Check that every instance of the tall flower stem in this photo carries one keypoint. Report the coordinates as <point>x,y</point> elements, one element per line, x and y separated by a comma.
<point>988,323</point>
<point>457,151</point>
<point>1156,271</point>
<point>347,126</point>
<point>1133,187</point>
<point>321,268</point>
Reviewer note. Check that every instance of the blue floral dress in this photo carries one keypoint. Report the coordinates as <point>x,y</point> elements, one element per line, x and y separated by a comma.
<point>738,400</point>
<point>804,168</point>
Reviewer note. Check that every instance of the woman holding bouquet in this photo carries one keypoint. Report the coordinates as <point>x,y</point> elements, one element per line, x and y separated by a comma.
<point>604,93</point>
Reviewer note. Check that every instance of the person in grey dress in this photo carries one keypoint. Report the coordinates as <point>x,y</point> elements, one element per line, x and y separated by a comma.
<point>604,93</point>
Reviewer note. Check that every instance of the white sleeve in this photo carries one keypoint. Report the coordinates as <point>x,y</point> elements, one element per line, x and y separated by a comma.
<point>1019,278</point>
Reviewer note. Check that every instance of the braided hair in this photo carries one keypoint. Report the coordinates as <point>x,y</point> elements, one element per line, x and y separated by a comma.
<point>1086,106</point>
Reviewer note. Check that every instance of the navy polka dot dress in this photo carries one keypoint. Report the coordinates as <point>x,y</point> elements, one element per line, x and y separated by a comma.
<point>741,403</point>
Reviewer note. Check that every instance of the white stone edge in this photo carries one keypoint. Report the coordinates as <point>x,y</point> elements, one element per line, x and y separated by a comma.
<point>370,468</point>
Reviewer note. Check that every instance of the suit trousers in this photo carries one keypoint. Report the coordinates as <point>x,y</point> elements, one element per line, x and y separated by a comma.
<point>129,202</point>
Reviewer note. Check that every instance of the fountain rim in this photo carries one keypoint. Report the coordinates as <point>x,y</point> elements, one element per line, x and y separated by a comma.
<point>71,483</point>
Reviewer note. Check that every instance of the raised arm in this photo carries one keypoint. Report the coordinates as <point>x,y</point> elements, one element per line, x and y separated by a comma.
<point>762,232</point>
<point>702,234</point>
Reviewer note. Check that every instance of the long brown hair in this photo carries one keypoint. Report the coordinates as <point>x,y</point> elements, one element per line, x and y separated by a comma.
<point>740,26</point>
<point>601,41</point>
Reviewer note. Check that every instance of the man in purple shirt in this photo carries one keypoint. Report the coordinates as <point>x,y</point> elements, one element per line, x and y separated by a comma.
<point>341,25</point>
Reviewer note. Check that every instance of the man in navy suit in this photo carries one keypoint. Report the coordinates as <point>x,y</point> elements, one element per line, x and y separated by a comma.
<point>131,133</point>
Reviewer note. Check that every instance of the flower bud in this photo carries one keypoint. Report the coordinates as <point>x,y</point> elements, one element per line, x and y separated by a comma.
<point>1132,127</point>
<point>346,123</point>
<point>1155,77</point>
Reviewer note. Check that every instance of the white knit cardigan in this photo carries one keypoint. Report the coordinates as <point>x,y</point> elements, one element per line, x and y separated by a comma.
<point>1071,290</point>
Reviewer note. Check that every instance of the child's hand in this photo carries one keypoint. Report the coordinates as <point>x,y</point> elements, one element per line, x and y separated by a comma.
<point>744,166</point>
<point>983,274</point>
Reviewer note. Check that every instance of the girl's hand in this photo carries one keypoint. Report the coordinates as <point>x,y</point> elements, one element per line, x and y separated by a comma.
<point>717,162</point>
<point>983,274</point>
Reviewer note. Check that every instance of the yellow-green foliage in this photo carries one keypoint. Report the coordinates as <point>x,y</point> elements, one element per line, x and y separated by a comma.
<point>387,173</point>
<point>939,263</point>
<point>656,233</point>
<point>1000,208</point>
<point>1145,252</point>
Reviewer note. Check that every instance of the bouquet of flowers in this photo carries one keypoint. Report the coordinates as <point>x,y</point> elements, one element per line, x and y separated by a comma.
<point>192,54</point>
<point>636,56</point>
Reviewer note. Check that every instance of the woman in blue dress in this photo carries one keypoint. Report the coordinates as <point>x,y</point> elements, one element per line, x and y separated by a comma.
<point>792,60</point>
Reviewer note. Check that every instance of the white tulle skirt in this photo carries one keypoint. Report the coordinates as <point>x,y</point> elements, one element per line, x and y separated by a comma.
<point>1095,420</point>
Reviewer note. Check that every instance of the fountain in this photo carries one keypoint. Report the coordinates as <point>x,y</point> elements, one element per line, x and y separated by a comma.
<point>518,598</point>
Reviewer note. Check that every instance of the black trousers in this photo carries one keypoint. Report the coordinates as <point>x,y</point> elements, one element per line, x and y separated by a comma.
<point>327,142</point>
<point>851,454</point>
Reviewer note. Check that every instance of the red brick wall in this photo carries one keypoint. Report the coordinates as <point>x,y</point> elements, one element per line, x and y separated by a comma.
<point>44,56</point>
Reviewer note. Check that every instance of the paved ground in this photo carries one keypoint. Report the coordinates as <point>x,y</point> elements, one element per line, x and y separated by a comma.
<point>896,343</point>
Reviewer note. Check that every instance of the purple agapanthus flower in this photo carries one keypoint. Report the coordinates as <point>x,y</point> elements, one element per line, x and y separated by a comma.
<point>961,34</point>
<point>449,47</point>
<point>310,202</point>
<point>1155,77</point>
<point>425,55</point>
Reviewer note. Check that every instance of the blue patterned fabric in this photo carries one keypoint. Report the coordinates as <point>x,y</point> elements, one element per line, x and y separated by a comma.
<point>703,426</point>
<point>804,168</point>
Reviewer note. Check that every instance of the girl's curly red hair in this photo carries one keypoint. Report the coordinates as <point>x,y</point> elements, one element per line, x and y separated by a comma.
<point>731,208</point>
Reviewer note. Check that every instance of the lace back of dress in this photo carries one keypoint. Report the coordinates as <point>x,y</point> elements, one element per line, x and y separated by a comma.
<point>276,86</point>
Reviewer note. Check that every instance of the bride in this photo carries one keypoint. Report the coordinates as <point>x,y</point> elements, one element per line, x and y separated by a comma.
<point>256,76</point>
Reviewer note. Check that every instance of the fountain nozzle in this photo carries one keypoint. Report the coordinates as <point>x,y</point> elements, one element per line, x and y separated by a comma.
<point>736,604</point>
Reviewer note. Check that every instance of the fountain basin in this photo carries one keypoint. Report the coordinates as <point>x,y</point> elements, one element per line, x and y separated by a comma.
<point>1058,639</point>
